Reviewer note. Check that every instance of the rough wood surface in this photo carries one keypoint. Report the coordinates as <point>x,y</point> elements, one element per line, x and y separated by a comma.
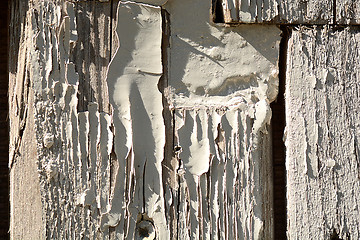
<point>225,182</point>
<point>306,12</point>
<point>322,133</point>
<point>46,183</point>
<point>277,11</point>
<point>347,12</point>
<point>92,51</point>
<point>4,130</point>
<point>26,209</point>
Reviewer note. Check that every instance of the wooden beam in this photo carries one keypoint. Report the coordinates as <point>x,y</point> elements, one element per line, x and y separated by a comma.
<point>322,133</point>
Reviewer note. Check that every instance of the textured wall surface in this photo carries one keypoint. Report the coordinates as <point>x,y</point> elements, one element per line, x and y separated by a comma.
<point>322,114</point>
<point>139,123</point>
<point>288,11</point>
<point>147,120</point>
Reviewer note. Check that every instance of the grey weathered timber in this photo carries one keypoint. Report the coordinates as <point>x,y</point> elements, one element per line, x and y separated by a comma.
<point>48,170</point>
<point>26,208</point>
<point>277,11</point>
<point>347,12</point>
<point>93,50</point>
<point>322,133</point>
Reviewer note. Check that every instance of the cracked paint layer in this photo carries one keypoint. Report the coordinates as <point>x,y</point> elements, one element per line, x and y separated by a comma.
<point>139,129</point>
<point>222,160</point>
<point>73,148</point>
<point>221,81</point>
<point>101,164</point>
<point>186,97</point>
<point>214,65</point>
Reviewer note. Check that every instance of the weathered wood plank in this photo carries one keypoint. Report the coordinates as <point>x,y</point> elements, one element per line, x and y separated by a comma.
<point>58,154</point>
<point>224,171</point>
<point>253,11</point>
<point>347,12</point>
<point>218,78</point>
<point>322,133</point>
<point>277,11</point>
<point>26,208</point>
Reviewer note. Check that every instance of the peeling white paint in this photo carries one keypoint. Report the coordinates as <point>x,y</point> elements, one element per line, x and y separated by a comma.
<point>133,78</point>
<point>221,81</point>
<point>289,11</point>
<point>221,106</point>
<point>48,140</point>
<point>223,144</point>
<point>101,174</point>
<point>73,148</point>
<point>262,116</point>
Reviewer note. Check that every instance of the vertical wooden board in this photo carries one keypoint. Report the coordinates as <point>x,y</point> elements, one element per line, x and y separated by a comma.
<point>347,12</point>
<point>25,200</point>
<point>4,130</point>
<point>98,172</point>
<point>65,153</point>
<point>322,133</point>
<point>221,80</point>
<point>139,130</point>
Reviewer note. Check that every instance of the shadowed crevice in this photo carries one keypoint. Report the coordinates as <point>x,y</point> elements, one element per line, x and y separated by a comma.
<point>278,146</point>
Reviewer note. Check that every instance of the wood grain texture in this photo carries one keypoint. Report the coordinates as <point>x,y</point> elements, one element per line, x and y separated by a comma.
<point>223,160</point>
<point>278,11</point>
<point>92,51</point>
<point>54,141</point>
<point>347,12</point>
<point>25,199</point>
<point>253,11</point>
<point>98,137</point>
<point>306,12</point>
<point>322,133</point>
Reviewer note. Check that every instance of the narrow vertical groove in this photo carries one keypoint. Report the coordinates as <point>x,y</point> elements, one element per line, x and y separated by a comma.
<point>169,180</point>
<point>217,11</point>
<point>278,146</point>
